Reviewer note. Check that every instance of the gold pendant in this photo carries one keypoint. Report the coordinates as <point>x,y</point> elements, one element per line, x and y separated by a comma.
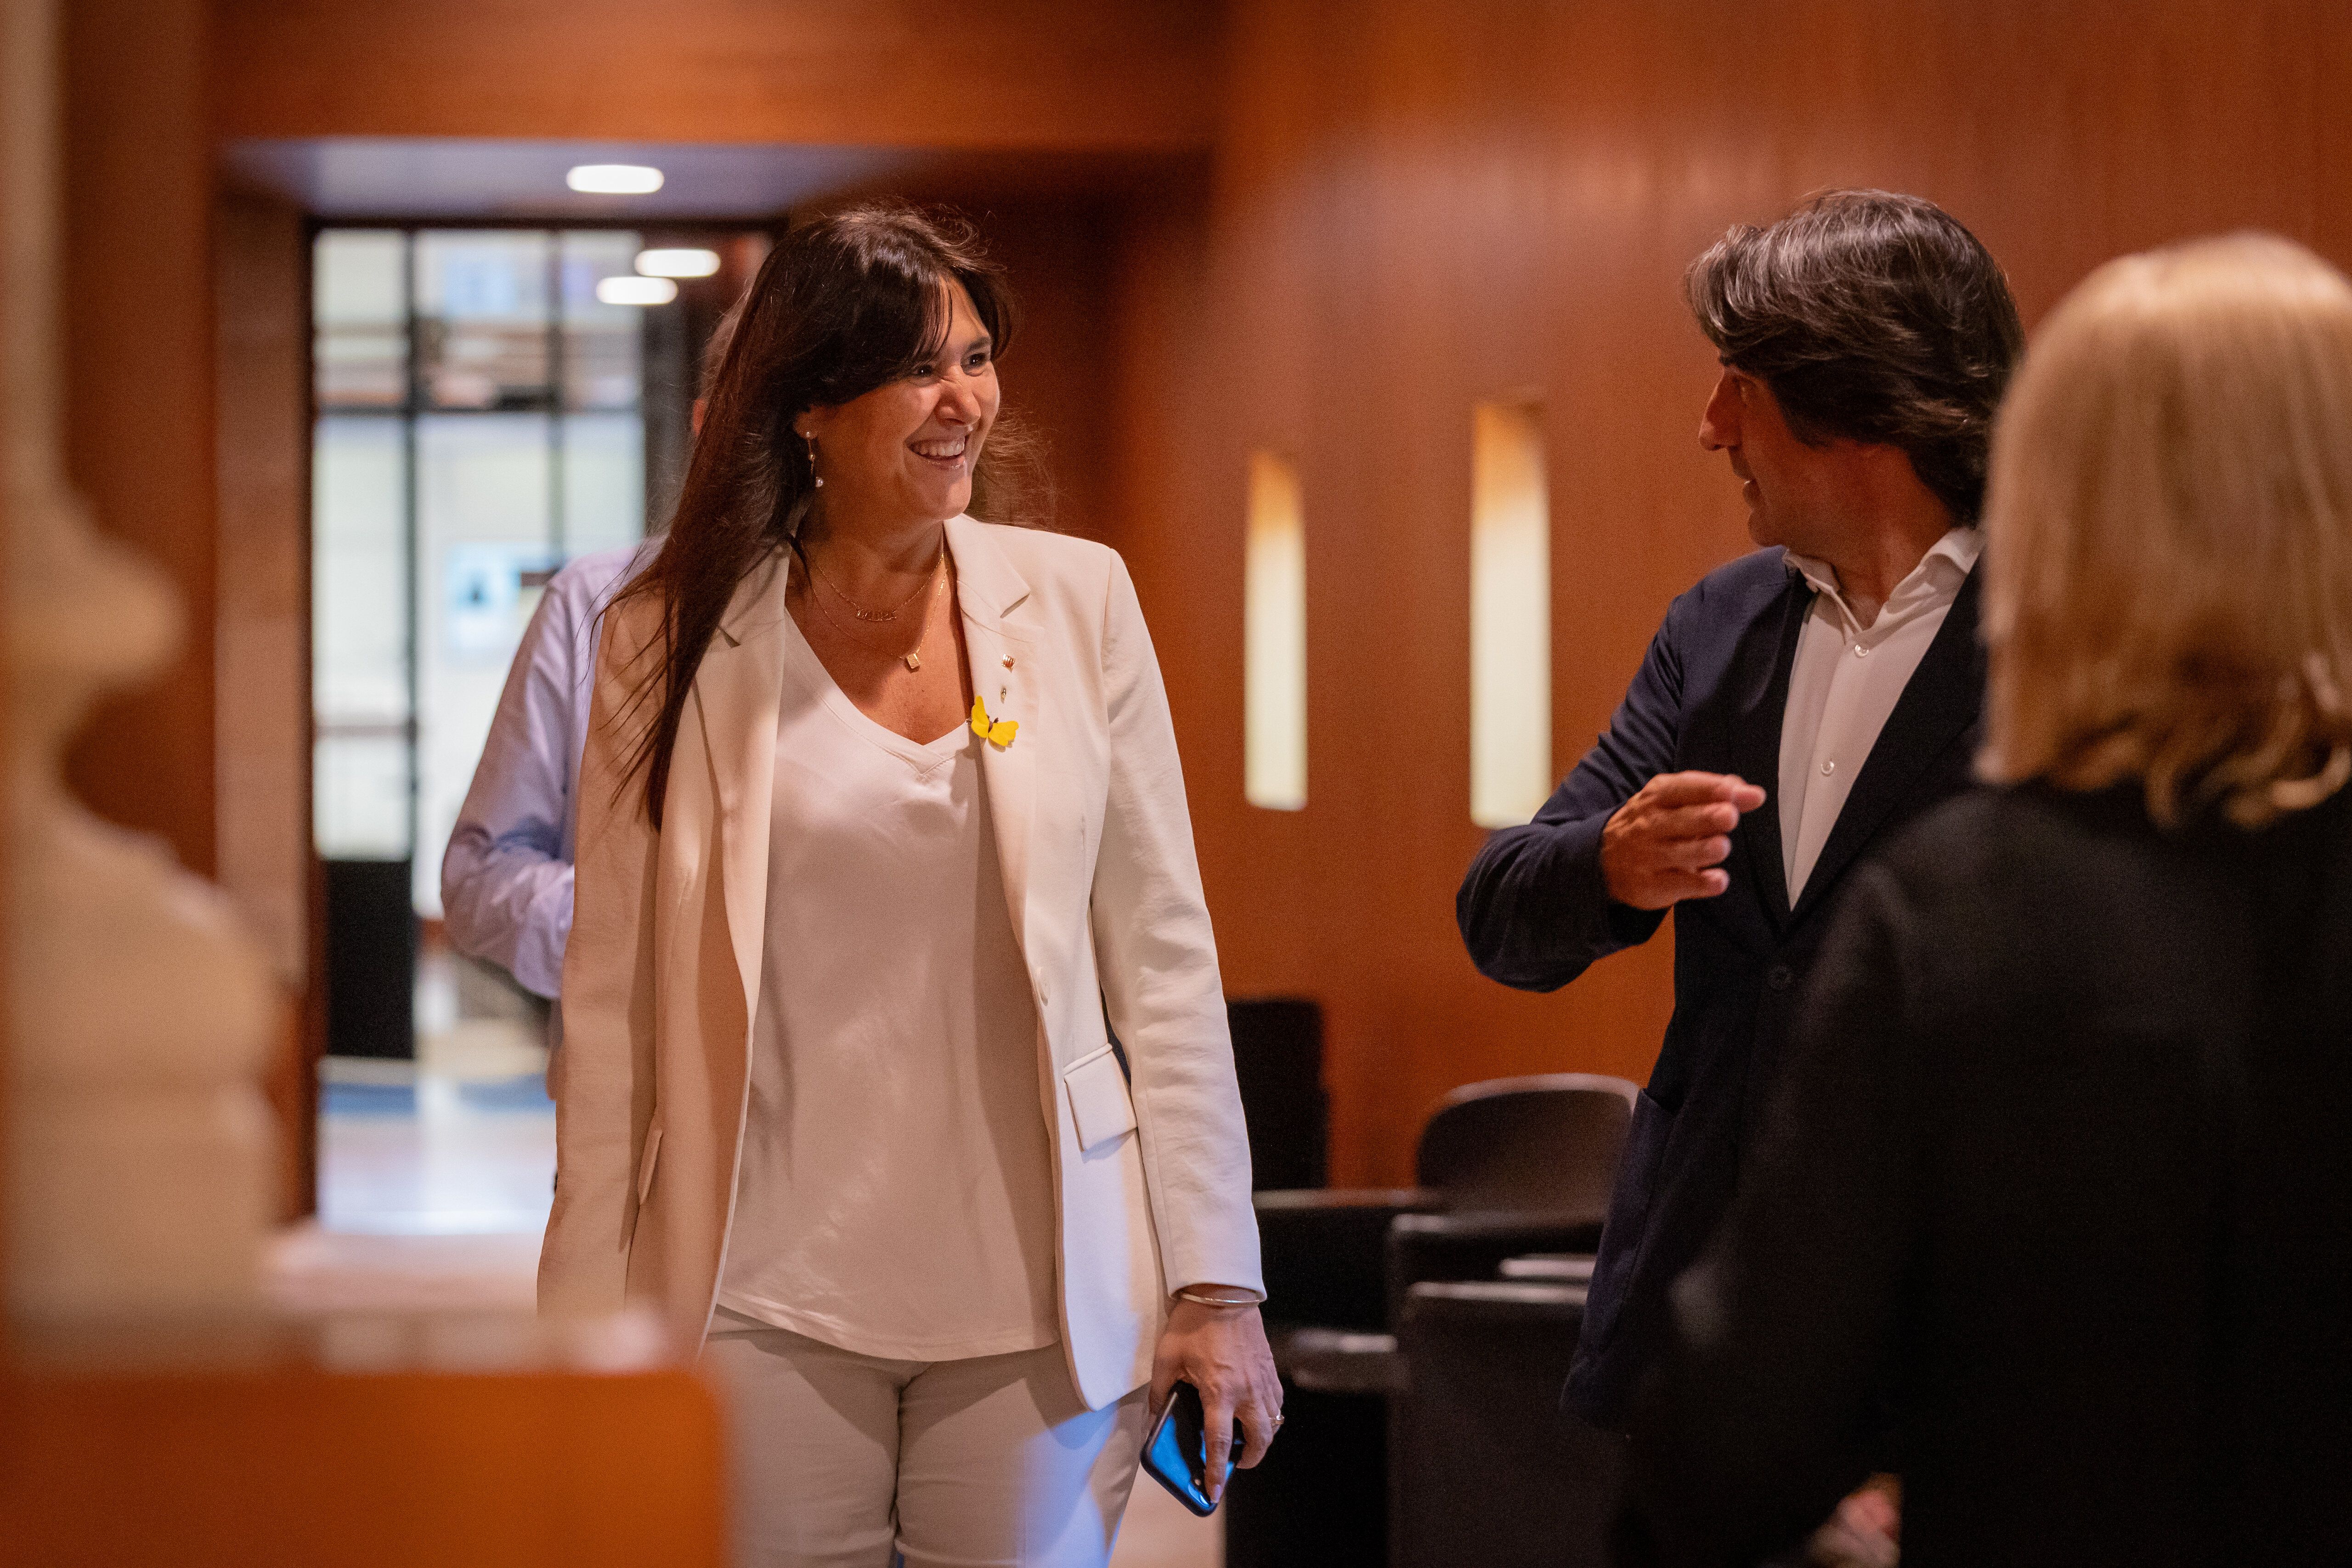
<point>915,659</point>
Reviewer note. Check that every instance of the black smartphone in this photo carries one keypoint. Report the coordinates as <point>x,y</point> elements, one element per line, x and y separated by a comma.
<point>1176,1452</point>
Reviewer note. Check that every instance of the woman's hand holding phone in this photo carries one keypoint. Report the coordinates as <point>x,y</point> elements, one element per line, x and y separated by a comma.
<point>1222,1352</point>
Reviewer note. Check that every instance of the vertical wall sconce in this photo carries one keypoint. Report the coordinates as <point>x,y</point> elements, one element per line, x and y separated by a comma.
<point>1510,615</point>
<point>1273,634</point>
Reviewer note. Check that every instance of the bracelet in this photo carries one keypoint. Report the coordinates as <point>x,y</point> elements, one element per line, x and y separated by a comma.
<point>1214,1300</point>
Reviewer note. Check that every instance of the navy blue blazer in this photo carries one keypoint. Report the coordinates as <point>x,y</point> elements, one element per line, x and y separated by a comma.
<point>1536,914</point>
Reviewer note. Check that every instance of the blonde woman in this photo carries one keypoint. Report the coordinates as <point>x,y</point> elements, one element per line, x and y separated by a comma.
<point>2059,1176</point>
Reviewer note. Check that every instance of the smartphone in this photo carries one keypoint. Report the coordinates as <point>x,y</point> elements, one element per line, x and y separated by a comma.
<point>1176,1453</point>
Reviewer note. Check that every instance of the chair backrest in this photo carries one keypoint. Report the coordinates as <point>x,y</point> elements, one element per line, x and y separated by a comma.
<point>1546,1143</point>
<point>1279,1064</point>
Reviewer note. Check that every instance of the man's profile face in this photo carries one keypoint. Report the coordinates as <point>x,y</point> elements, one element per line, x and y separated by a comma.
<point>1788,486</point>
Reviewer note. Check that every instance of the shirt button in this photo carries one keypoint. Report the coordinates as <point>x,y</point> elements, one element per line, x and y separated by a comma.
<point>1860,651</point>
<point>1779,977</point>
<point>1829,767</point>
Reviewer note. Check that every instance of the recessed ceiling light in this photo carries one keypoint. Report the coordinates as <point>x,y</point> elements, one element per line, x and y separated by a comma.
<point>636,290</point>
<point>677,263</point>
<point>614,179</point>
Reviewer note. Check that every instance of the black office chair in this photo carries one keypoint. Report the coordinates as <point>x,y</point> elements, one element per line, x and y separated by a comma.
<point>1546,1143</point>
<point>1504,1167</point>
<point>1523,1164</point>
<point>1486,1468</point>
<point>1507,1167</point>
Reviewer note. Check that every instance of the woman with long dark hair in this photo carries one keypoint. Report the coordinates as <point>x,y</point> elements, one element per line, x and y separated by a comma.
<point>895,1059</point>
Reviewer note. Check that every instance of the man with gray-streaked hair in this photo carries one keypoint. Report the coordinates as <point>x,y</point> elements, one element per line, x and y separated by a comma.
<point>1836,674</point>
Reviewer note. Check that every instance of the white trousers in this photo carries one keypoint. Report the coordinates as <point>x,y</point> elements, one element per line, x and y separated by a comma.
<point>988,1462</point>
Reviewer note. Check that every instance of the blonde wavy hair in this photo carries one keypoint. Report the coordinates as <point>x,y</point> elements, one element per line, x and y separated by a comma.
<point>2169,536</point>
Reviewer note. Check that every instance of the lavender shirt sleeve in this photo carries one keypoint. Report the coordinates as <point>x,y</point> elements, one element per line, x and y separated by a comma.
<point>506,878</point>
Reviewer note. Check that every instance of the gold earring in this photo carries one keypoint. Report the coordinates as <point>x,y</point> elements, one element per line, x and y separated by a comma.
<point>811,439</point>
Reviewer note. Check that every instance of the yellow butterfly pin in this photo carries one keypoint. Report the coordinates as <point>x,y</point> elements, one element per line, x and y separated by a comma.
<point>998,733</point>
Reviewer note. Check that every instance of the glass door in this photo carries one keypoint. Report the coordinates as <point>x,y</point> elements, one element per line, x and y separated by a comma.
<point>482,416</point>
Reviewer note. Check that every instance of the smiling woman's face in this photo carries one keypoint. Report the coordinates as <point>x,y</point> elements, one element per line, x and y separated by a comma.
<point>905,451</point>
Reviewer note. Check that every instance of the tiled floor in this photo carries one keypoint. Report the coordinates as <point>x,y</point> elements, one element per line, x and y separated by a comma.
<point>434,1183</point>
<point>460,1141</point>
<point>461,1145</point>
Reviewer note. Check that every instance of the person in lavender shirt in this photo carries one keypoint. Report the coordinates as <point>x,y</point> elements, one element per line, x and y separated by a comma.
<point>505,877</point>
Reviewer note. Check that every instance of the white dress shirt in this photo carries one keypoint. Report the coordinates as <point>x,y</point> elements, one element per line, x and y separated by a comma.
<point>1845,682</point>
<point>895,1193</point>
<point>505,877</point>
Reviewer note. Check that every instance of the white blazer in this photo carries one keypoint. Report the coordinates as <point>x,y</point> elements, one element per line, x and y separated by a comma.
<point>661,977</point>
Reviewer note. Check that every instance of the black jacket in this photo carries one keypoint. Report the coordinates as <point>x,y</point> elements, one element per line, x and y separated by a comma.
<point>1534,911</point>
<point>2059,1166</point>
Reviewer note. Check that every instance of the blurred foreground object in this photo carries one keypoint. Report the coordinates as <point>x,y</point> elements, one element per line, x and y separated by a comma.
<point>140,1153</point>
<point>359,1441</point>
<point>153,1409</point>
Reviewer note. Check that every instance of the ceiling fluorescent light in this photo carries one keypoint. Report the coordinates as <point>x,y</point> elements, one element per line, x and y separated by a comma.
<point>636,290</point>
<point>680,263</point>
<point>614,179</point>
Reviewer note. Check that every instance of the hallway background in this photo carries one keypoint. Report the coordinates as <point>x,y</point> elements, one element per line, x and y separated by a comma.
<point>1318,230</point>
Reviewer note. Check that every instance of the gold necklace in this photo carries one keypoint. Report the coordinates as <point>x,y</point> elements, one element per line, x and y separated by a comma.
<point>913,658</point>
<point>860,611</point>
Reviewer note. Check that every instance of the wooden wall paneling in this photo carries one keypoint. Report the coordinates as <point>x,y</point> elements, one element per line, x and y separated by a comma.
<point>22,34</point>
<point>1264,371</point>
<point>1038,74</point>
<point>1056,377</point>
<point>138,381</point>
<point>1371,384</point>
<point>1212,354</point>
<point>1158,454</point>
<point>1175,513</point>
<point>1279,269</point>
<point>1326,317</point>
<point>262,637</point>
<point>1421,208</point>
<point>1461,215</point>
<point>2332,131</point>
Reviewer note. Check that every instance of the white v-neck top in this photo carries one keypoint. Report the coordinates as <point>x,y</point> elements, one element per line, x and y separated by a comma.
<point>1845,683</point>
<point>896,1195</point>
